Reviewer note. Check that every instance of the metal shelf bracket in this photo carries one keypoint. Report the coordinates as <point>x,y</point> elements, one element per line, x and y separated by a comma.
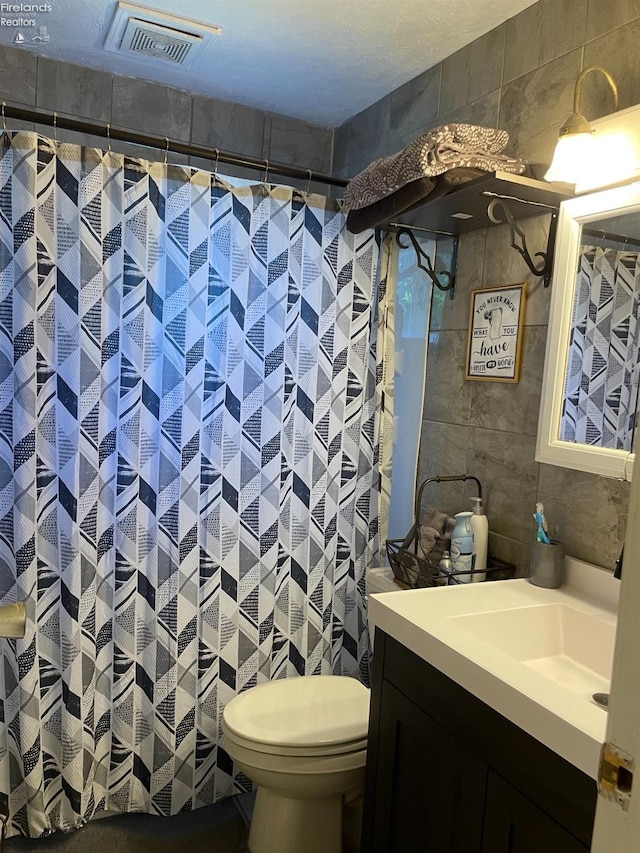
<point>542,270</point>
<point>443,280</point>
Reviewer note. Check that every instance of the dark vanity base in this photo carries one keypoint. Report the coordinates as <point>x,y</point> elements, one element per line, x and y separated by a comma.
<point>448,774</point>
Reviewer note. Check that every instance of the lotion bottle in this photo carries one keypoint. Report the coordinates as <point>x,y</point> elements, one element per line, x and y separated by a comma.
<point>480,528</point>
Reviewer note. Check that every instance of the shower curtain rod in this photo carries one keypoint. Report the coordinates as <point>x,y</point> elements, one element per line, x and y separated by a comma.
<point>165,144</point>
<point>614,238</point>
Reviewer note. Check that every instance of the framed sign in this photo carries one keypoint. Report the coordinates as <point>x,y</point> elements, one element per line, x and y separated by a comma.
<point>495,333</point>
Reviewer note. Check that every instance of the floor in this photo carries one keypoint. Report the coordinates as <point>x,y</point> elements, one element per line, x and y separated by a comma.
<point>221,828</point>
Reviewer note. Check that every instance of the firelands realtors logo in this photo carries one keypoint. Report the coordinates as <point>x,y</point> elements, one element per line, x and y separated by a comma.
<point>22,17</point>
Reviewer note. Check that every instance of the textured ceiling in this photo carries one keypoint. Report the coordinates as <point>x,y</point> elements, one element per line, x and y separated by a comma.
<point>318,61</point>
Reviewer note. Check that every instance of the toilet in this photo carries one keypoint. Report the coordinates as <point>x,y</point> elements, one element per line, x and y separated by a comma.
<point>303,742</point>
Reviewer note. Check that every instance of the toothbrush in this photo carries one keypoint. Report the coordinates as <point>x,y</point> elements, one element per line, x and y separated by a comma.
<point>538,515</point>
<point>540,509</point>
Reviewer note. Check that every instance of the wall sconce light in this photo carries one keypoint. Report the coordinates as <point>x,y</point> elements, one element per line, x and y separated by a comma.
<point>597,154</point>
<point>576,151</point>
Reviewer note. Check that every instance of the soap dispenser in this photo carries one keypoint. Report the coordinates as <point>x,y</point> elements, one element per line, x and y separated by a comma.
<point>480,528</point>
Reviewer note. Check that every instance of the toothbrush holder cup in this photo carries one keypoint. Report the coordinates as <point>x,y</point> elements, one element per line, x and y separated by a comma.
<point>547,564</point>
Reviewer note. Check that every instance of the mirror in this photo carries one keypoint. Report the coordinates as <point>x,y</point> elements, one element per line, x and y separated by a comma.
<point>589,405</point>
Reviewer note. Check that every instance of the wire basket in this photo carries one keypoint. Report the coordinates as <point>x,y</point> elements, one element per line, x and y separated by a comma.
<point>410,568</point>
<point>497,570</point>
<point>417,572</point>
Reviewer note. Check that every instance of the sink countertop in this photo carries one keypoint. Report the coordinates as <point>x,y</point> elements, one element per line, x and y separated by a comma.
<point>423,620</point>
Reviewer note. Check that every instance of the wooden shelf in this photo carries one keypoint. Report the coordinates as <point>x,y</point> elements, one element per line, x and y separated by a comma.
<point>526,197</point>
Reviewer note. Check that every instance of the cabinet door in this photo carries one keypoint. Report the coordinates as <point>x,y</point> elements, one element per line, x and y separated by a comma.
<point>513,824</point>
<point>429,795</point>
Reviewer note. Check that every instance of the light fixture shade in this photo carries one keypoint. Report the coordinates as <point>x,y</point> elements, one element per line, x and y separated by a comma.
<point>617,137</point>
<point>575,157</point>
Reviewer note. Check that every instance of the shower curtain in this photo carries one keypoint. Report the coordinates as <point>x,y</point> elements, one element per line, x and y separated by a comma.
<point>603,367</point>
<point>191,426</point>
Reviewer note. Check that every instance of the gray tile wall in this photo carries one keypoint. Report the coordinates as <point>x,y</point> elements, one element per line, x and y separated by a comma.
<point>520,76</point>
<point>29,80</point>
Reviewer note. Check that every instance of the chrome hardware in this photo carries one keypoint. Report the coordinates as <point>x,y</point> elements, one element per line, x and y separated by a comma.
<point>602,700</point>
<point>13,621</point>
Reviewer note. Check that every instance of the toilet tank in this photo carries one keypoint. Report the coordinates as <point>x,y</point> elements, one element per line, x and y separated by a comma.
<point>378,579</point>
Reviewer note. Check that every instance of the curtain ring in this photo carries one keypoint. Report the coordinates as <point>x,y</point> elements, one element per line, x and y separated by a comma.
<point>310,173</point>
<point>166,150</point>
<point>266,172</point>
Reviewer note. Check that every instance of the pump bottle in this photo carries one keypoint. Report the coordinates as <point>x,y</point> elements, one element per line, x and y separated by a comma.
<point>480,529</point>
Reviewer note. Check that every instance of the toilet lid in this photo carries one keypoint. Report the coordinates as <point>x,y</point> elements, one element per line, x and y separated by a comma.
<point>302,711</point>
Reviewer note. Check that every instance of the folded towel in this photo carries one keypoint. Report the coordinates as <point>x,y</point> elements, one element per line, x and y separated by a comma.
<point>443,544</point>
<point>433,153</point>
<point>432,534</point>
<point>435,518</point>
<point>408,197</point>
<point>427,537</point>
<point>386,209</point>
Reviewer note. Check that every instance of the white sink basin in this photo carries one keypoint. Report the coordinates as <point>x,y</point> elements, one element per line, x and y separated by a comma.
<point>569,646</point>
<point>535,655</point>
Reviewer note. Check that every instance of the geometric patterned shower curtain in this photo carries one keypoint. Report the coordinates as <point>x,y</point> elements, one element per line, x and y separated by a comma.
<point>190,421</point>
<point>603,367</point>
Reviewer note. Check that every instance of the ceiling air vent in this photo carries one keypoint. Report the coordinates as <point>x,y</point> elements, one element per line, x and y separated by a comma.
<point>145,32</point>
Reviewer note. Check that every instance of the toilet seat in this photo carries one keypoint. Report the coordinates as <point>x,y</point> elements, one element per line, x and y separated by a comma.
<point>342,748</point>
<point>303,716</point>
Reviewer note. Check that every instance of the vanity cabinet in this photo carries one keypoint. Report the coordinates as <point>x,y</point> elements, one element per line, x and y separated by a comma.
<point>448,774</point>
<point>424,776</point>
<point>513,823</point>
